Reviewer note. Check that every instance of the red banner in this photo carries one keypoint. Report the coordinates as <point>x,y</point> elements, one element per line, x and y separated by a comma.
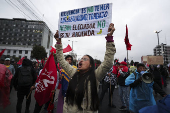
<point>46,81</point>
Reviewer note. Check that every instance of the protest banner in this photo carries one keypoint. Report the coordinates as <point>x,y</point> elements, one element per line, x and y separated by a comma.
<point>144,59</point>
<point>88,21</point>
<point>155,60</point>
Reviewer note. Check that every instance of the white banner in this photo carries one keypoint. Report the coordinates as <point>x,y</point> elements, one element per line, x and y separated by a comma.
<point>88,21</point>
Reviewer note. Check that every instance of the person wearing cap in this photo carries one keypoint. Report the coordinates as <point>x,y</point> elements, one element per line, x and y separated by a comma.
<point>141,93</point>
<point>11,68</point>
<point>123,73</point>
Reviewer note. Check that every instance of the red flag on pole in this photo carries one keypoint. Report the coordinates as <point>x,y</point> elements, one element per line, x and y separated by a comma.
<point>128,45</point>
<point>1,53</point>
<point>53,50</point>
<point>46,81</point>
<point>20,61</point>
<point>67,49</point>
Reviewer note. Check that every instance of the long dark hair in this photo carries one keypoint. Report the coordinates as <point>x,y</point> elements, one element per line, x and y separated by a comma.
<point>78,86</point>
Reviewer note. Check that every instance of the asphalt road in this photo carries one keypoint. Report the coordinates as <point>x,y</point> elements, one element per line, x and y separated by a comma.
<point>104,108</point>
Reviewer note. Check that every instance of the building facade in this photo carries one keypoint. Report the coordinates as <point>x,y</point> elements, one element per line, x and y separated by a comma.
<point>18,36</point>
<point>163,50</point>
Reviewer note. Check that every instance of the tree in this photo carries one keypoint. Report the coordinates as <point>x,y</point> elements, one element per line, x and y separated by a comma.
<point>38,52</point>
<point>16,59</point>
<point>132,62</point>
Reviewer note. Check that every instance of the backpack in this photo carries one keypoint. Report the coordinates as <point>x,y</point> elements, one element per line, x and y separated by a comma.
<point>25,77</point>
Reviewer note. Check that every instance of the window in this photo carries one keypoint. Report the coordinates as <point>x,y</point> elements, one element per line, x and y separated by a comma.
<point>25,57</point>
<point>13,56</point>
<point>8,51</point>
<point>14,51</point>
<point>20,51</point>
<point>26,51</point>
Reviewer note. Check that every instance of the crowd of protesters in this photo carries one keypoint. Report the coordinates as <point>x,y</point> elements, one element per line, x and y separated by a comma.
<point>79,84</point>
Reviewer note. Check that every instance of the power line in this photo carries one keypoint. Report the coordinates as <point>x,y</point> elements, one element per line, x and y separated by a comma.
<point>15,8</point>
<point>28,9</point>
<point>41,14</point>
<point>19,9</point>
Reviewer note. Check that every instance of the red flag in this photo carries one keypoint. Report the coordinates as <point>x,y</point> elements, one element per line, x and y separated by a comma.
<point>1,52</point>
<point>128,45</point>
<point>46,81</point>
<point>20,61</point>
<point>38,61</point>
<point>67,49</point>
<point>53,50</point>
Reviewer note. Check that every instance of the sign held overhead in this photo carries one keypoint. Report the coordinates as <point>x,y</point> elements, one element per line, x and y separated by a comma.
<point>88,21</point>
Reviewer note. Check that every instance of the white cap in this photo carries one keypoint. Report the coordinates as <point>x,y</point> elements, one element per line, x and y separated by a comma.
<point>7,59</point>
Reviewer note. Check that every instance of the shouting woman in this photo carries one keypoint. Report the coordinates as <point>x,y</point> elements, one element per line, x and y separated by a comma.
<point>82,95</point>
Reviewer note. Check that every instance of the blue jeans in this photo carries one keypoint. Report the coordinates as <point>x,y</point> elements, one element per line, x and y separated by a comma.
<point>124,95</point>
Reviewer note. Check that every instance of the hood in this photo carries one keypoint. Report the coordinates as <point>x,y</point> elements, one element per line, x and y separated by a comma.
<point>164,105</point>
<point>26,62</point>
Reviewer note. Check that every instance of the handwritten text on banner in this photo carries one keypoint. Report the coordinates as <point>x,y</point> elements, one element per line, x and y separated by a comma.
<point>89,21</point>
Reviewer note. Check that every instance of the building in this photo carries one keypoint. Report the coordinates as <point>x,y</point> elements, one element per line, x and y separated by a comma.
<point>18,36</point>
<point>164,50</point>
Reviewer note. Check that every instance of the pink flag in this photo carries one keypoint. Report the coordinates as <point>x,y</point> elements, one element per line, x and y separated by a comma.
<point>46,81</point>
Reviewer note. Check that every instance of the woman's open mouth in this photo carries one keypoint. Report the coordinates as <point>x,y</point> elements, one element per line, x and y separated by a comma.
<point>80,64</point>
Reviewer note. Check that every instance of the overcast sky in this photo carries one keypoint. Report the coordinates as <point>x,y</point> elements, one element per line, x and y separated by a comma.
<point>141,16</point>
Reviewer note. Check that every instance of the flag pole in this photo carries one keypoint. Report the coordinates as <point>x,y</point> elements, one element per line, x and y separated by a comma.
<point>127,56</point>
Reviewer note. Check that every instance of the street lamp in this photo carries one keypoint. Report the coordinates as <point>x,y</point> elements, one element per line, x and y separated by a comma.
<point>158,35</point>
<point>72,44</point>
<point>158,38</point>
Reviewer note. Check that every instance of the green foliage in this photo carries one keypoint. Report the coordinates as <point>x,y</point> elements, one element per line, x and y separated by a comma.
<point>38,52</point>
<point>16,59</point>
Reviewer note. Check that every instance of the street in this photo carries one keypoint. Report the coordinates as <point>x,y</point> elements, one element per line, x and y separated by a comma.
<point>102,109</point>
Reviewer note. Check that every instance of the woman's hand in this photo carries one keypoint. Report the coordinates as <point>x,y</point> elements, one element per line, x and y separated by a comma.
<point>111,29</point>
<point>56,36</point>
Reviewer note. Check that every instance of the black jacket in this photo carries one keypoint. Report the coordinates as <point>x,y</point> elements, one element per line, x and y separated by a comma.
<point>26,63</point>
<point>122,77</point>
